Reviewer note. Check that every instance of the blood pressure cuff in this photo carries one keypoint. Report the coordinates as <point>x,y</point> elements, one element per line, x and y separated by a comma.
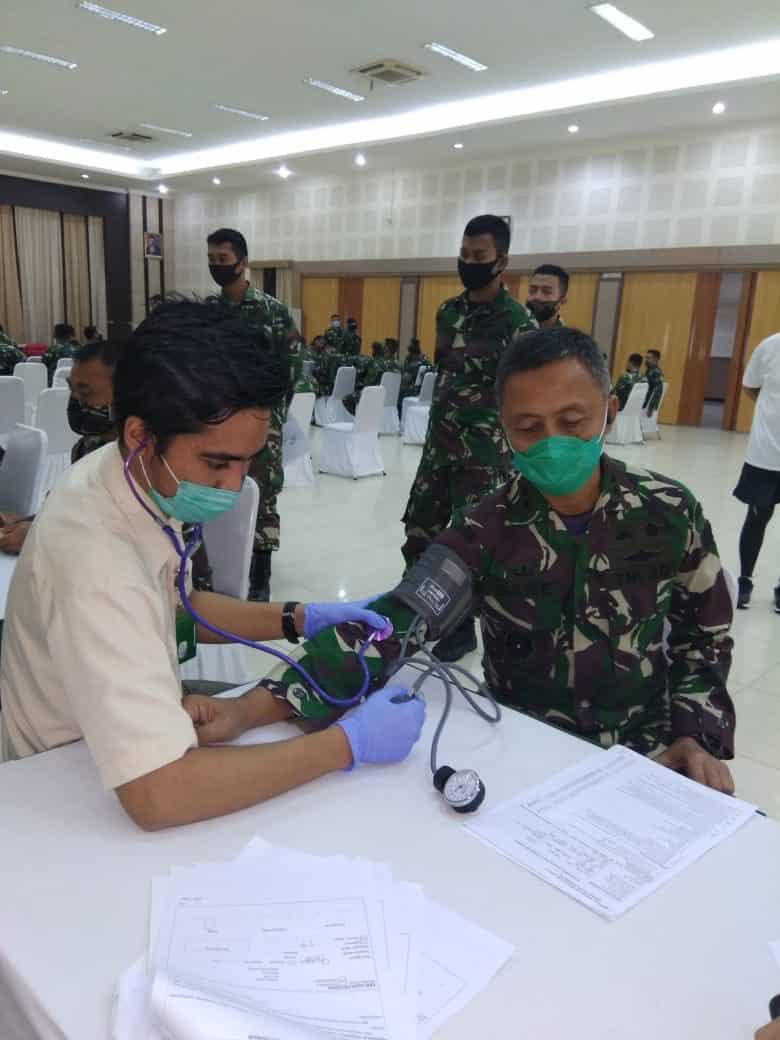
<point>331,658</point>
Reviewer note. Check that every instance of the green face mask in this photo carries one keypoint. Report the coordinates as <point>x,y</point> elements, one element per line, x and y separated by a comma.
<point>192,503</point>
<point>560,465</point>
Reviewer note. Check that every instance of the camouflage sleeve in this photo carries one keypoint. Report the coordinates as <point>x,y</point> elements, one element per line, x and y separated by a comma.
<point>525,322</point>
<point>331,658</point>
<point>445,334</point>
<point>700,645</point>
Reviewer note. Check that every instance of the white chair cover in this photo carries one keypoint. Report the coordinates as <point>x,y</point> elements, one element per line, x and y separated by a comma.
<point>308,368</point>
<point>352,449</point>
<point>35,379</point>
<point>416,426</point>
<point>64,362</point>
<point>11,402</point>
<point>60,378</point>
<point>296,451</point>
<point>20,473</point>
<point>627,428</point>
<point>329,410</point>
<point>426,396</point>
<point>228,540</point>
<point>391,384</point>
<point>52,417</point>
<point>650,422</point>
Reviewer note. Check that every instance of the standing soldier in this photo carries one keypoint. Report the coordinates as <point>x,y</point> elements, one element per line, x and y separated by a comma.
<point>466,455</point>
<point>352,341</point>
<point>655,381</point>
<point>334,335</point>
<point>228,263</point>
<point>623,387</point>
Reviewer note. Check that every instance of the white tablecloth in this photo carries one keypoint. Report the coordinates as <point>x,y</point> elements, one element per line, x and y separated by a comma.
<point>7,566</point>
<point>689,962</point>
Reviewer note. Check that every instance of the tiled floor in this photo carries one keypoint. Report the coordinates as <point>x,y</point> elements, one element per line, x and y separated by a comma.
<point>342,539</point>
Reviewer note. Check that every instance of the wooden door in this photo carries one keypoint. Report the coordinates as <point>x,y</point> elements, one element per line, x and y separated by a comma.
<point>320,298</point>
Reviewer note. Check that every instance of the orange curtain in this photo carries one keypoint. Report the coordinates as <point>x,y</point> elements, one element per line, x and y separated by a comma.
<point>11,317</point>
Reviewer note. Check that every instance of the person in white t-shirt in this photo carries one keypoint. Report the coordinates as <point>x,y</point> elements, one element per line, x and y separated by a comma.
<point>759,482</point>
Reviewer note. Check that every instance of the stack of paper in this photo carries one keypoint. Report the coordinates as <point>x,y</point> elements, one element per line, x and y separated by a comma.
<point>281,945</point>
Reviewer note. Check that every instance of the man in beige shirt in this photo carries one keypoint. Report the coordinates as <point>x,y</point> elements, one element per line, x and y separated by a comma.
<point>95,628</point>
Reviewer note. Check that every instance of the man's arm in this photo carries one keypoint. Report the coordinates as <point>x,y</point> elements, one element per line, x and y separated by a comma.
<point>255,621</point>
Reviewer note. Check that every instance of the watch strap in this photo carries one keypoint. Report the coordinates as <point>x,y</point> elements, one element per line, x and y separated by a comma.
<point>288,622</point>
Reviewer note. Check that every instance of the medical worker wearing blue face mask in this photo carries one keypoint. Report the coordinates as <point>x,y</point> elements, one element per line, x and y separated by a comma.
<point>95,620</point>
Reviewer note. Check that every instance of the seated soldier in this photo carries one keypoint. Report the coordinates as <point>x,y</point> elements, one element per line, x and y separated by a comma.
<point>10,355</point>
<point>391,355</point>
<point>625,384</point>
<point>603,604</point>
<point>63,344</point>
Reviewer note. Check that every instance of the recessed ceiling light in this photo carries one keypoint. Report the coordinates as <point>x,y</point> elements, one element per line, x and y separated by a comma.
<point>284,172</point>
<point>718,108</point>
<point>163,189</point>
<point>166,130</point>
<point>360,159</point>
<point>458,145</point>
<point>623,22</point>
<point>240,112</point>
<point>331,89</point>
<point>216,180</point>
<point>85,176</point>
<point>3,93</point>
<point>125,19</point>
<point>462,59</point>
<point>20,52</point>
<point>574,129</point>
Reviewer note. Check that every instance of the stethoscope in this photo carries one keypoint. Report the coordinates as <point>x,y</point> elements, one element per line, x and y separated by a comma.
<point>185,552</point>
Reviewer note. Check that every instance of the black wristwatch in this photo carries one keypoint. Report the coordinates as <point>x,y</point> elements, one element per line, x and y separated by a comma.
<point>288,622</point>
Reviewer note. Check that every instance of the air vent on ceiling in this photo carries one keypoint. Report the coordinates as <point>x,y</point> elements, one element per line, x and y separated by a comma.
<point>388,70</point>
<point>131,136</point>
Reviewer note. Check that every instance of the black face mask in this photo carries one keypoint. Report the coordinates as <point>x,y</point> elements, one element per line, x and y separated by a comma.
<point>224,274</point>
<point>477,276</point>
<point>352,327</point>
<point>89,421</point>
<point>541,310</point>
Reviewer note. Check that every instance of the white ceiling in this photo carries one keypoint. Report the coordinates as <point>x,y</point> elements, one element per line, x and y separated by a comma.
<point>255,57</point>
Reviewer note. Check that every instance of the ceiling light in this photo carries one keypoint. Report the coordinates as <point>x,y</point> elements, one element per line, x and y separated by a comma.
<point>360,159</point>
<point>118,16</point>
<point>20,52</point>
<point>331,89</point>
<point>216,180</point>
<point>240,112</point>
<point>3,93</point>
<point>163,189</point>
<point>85,176</point>
<point>622,22</point>
<point>462,59</point>
<point>166,130</point>
<point>458,145</point>
<point>718,108</point>
<point>574,129</point>
<point>284,172</point>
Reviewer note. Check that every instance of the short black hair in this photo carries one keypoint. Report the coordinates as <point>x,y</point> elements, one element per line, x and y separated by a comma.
<point>657,353</point>
<point>488,224</point>
<point>635,359</point>
<point>191,364</point>
<point>231,237</point>
<point>64,331</point>
<point>557,272</point>
<point>335,316</point>
<point>377,348</point>
<point>91,332</point>
<point>536,349</point>
<point>414,346</point>
<point>99,350</point>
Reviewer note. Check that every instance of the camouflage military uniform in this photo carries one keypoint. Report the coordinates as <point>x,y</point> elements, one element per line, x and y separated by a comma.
<point>351,343</point>
<point>574,625</point>
<point>10,356</point>
<point>260,309</point>
<point>334,339</point>
<point>410,370</point>
<point>466,455</point>
<point>59,349</point>
<point>623,387</point>
<point>655,389</point>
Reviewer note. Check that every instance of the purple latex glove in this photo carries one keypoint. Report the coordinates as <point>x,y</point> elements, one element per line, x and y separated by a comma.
<point>385,727</point>
<point>317,616</point>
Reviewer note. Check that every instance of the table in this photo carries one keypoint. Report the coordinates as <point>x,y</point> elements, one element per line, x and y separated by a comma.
<point>690,962</point>
<point>7,566</point>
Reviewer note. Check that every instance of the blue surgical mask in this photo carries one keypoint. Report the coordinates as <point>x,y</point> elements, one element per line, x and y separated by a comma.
<point>560,465</point>
<point>192,503</point>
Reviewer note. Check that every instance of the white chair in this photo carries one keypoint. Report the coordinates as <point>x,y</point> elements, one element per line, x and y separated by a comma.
<point>391,384</point>
<point>650,422</point>
<point>60,378</point>
<point>21,470</point>
<point>308,368</point>
<point>329,410</point>
<point>352,449</point>
<point>52,418</point>
<point>627,428</point>
<point>426,396</point>
<point>416,428</point>
<point>11,402</point>
<point>296,451</point>
<point>228,540</point>
<point>35,379</point>
<point>64,362</point>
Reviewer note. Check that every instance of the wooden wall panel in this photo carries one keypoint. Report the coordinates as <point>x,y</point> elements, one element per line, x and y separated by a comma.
<point>434,291</point>
<point>351,300</point>
<point>381,310</point>
<point>581,305</point>
<point>698,362</point>
<point>656,311</point>
<point>320,299</point>
<point>517,284</point>
<point>737,366</point>
<point>764,321</point>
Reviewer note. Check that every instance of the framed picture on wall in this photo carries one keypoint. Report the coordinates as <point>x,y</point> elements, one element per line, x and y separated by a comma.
<point>153,245</point>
